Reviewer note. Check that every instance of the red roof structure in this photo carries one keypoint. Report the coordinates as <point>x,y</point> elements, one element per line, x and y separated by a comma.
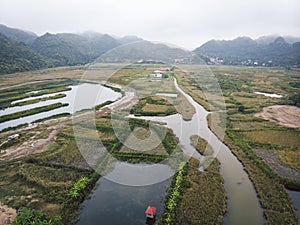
<point>150,211</point>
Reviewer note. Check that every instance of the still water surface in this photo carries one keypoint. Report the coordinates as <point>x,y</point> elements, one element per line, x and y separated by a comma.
<point>243,205</point>
<point>76,103</point>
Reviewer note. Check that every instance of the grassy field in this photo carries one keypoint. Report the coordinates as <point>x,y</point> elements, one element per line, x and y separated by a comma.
<point>273,137</point>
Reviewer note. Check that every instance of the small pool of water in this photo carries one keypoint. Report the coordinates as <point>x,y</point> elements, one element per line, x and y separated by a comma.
<point>295,196</point>
<point>272,95</point>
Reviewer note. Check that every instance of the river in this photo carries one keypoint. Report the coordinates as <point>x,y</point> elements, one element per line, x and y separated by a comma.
<point>242,207</point>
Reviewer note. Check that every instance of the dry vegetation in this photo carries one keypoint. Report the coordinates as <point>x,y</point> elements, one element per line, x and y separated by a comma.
<point>247,131</point>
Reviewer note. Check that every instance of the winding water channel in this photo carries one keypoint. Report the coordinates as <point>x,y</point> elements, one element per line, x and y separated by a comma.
<point>114,203</point>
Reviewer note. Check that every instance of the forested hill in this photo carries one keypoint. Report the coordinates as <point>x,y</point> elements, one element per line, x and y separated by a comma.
<point>72,49</point>
<point>17,34</point>
<point>24,51</point>
<point>15,56</point>
<point>265,51</point>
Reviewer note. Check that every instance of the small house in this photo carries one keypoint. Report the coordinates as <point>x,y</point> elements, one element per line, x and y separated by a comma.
<point>12,137</point>
<point>156,75</point>
<point>150,212</point>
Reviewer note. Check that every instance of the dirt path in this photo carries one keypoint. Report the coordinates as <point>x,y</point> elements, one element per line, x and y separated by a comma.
<point>31,146</point>
<point>285,115</point>
<point>7,215</point>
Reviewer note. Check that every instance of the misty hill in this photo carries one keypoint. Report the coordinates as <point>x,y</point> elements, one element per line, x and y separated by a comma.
<point>17,34</point>
<point>266,51</point>
<point>271,38</point>
<point>15,56</point>
<point>72,49</point>
<point>64,49</point>
<point>144,51</point>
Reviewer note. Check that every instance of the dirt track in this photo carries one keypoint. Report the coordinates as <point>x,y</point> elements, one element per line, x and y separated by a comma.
<point>285,115</point>
<point>31,146</point>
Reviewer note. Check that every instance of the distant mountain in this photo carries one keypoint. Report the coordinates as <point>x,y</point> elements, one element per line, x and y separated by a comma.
<point>145,51</point>
<point>17,34</point>
<point>23,51</point>
<point>129,39</point>
<point>265,51</point>
<point>63,49</point>
<point>15,56</point>
<point>271,38</point>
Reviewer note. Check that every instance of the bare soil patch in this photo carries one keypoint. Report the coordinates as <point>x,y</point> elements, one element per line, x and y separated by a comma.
<point>285,115</point>
<point>31,146</point>
<point>7,215</point>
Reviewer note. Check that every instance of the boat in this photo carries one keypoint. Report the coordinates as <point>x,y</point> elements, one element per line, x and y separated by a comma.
<point>150,212</point>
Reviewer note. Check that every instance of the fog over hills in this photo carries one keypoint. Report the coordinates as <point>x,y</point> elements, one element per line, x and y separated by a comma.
<point>23,50</point>
<point>264,51</point>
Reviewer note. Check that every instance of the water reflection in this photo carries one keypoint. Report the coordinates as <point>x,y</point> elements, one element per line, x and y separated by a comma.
<point>83,96</point>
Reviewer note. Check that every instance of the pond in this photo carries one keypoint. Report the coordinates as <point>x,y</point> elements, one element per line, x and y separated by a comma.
<point>117,204</point>
<point>268,94</point>
<point>87,101</point>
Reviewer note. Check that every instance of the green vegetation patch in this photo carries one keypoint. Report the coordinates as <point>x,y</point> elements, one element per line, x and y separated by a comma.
<point>34,89</point>
<point>32,101</point>
<point>200,204</point>
<point>28,216</point>
<point>189,201</point>
<point>174,196</point>
<point>33,111</point>
<point>153,106</point>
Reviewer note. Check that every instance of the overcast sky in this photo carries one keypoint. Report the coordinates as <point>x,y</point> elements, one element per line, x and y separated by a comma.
<point>186,23</point>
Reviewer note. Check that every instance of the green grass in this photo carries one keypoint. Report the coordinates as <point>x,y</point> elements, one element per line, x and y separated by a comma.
<point>52,117</point>
<point>204,201</point>
<point>33,111</point>
<point>32,101</point>
<point>174,196</point>
<point>34,89</point>
<point>97,107</point>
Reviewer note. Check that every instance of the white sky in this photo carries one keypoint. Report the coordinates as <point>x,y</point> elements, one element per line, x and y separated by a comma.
<point>186,23</point>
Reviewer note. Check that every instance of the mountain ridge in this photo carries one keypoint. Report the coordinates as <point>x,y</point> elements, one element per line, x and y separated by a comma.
<point>264,51</point>
<point>23,50</point>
